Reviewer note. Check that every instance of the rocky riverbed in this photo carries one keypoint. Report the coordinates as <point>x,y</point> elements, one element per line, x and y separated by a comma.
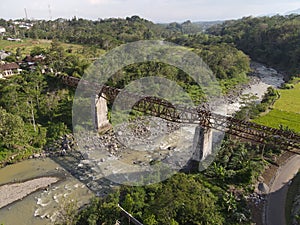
<point>261,78</point>
<point>129,148</point>
<point>134,148</point>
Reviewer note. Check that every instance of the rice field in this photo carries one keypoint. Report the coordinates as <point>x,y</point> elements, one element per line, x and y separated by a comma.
<point>286,110</point>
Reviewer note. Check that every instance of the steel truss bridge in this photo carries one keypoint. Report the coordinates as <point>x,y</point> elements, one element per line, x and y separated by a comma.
<point>161,108</point>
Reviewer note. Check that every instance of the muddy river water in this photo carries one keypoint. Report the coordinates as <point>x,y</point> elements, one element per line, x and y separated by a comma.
<point>40,208</point>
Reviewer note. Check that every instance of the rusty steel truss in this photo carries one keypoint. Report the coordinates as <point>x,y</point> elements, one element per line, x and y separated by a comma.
<point>161,108</point>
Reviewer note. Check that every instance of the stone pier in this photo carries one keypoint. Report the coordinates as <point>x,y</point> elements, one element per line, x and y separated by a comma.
<point>99,112</point>
<point>202,143</point>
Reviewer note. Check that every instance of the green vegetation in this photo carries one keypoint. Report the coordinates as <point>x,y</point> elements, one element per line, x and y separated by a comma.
<point>271,40</point>
<point>290,98</point>
<point>215,196</point>
<point>286,110</point>
<point>28,45</point>
<point>228,63</point>
<point>105,34</point>
<point>276,118</point>
<point>293,192</point>
<point>252,110</point>
<point>35,108</point>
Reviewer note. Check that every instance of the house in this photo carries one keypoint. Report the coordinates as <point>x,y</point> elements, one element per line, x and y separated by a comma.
<point>26,25</point>
<point>14,39</point>
<point>2,30</point>
<point>3,54</point>
<point>9,69</point>
<point>31,62</point>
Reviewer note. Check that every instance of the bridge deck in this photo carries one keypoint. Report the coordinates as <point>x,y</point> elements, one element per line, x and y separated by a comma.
<point>161,108</point>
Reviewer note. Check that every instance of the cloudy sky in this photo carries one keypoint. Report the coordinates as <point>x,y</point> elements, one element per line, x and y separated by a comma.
<point>154,10</point>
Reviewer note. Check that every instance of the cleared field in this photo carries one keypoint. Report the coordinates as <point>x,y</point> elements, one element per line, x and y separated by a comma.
<point>276,117</point>
<point>289,100</point>
<point>26,45</point>
<point>286,110</point>
<point>11,45</point>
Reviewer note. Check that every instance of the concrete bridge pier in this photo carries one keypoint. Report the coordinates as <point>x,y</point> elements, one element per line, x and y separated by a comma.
<point>99,112</point>
<point>202,143</point>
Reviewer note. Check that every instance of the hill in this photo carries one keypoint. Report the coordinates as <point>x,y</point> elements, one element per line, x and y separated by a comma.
<point>296,11</point>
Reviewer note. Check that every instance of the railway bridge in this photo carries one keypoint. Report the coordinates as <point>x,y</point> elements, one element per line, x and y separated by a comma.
<point>205,119</point>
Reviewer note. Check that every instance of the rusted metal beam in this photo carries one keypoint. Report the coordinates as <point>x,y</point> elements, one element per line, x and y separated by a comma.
<point>161,108</point>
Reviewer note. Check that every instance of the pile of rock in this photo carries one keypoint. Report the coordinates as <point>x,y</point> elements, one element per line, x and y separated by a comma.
<point>256,198</point>
<point>145,132</point>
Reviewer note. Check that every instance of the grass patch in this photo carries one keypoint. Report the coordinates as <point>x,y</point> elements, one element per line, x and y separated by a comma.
<point>293,191</point>
<point>277,117</point>
<point>28,44</point>
<point>289,100</point>
<point>286,110</point>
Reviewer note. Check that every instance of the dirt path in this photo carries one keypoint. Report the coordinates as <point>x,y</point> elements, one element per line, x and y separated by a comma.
<point>10,193</point>
<point>275,210</point>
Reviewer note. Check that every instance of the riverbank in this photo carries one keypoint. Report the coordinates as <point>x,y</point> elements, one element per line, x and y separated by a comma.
<point>87,171</point>
<point>10,193</point>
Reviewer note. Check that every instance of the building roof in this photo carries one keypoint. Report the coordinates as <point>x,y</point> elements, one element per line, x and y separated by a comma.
<point>3,55</point>
<point>9,66</point>
<point>37,58</point>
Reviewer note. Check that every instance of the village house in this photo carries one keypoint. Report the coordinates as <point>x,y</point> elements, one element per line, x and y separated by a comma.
<point>2,30</point>
<point>9,69</point>
<point>30,63</point>
<point>3,54</point>
<point>14,39</point>
<point>22,24</point>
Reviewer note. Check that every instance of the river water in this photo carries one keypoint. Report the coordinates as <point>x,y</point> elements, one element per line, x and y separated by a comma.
<point>40,208</point>
<point>43,207</point>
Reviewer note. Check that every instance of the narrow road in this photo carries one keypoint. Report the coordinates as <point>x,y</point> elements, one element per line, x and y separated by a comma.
<point>275,210</point>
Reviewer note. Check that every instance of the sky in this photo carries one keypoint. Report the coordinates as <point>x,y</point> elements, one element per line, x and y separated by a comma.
<point>159,11</point>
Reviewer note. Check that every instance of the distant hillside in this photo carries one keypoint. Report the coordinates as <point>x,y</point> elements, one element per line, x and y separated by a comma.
<point>270,40</point>
<point>104,33</point>
<point>207,24</point>
<point>296,11</point>
<point>189,27</point>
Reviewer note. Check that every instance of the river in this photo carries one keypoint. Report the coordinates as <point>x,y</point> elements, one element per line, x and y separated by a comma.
<point>42,207</point>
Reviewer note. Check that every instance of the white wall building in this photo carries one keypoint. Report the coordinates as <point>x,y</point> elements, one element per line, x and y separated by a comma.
<point>2,30</point>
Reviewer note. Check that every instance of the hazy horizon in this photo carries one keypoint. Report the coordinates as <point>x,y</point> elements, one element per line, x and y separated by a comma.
<point>157,11</point>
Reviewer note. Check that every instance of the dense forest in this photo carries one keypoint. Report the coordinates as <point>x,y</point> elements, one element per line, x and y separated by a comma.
<point>270,40</point>
<point>36,108</point>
